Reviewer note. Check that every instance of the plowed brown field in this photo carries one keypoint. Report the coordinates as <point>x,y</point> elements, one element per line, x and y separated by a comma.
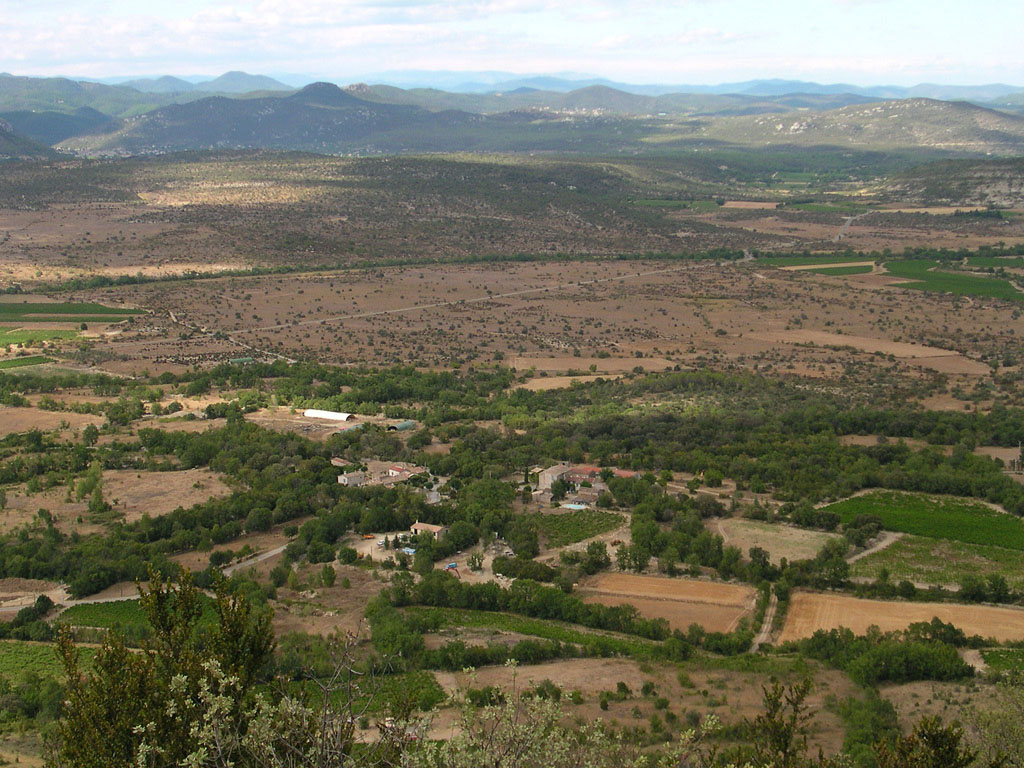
<point>682,602</point>
<point>809,612</point>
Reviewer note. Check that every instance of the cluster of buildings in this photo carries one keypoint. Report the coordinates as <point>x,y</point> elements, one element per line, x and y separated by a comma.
<point>379,473</point>
<point>585,479</point>
<point>384,473</point>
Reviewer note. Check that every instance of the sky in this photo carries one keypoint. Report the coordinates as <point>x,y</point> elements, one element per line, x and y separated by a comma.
<point>864,42</point>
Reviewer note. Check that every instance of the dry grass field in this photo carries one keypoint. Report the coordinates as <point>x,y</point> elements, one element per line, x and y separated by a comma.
<point>547,383</point>
<point>682,602</point>
<point>780,541</point>
<point>132,494</point>
<point>557,317</point>
<point>14,420</point>
<point>731,695</point>
<point>809,612</point>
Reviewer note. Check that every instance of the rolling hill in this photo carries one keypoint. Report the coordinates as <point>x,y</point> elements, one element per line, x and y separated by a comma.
<point>241,82</point>
<point>52,127</point>
<point>601,99</point>
<point>319,118</point>
<point>373,119</point>
<point>953,127</point>
<point>59,94</point>
<point>16,147</point>
<point>165,84</point>
<point>990,181</point>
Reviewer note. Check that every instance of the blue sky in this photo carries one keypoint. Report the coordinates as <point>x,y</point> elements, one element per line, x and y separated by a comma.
<point>674,41</point>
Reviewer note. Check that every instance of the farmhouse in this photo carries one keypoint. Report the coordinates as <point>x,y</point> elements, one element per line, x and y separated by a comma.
<point>437,531</point>
<point>582,474</point>
<point>548,476</point>
<point>352,479</point>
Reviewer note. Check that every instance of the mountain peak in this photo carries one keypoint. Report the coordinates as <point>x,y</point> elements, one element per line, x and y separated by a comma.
<point>241,82</point>
<point>325,95</point>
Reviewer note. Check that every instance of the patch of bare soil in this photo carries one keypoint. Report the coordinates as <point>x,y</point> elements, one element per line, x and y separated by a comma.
<point>750,205</point>
<point>14,420</point>
<point>325,610</point>
<point>871,440</point>
<point>546,383</point>
<point>15,593</point>
<point>605,365</point>
<point>864,343</point>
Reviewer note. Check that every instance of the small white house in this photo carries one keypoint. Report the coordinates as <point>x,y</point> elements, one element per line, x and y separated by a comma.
<point>352,479</point>
<point>316,413</point>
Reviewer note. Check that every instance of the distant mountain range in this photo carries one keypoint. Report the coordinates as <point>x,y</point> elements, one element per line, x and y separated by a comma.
<point>169,114</point>
<point>324,118</point>
<point>601,98</point>
<point>504,82</point>
<point>229,82</point>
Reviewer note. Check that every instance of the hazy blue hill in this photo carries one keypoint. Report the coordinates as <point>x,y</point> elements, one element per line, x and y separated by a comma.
<point>241,82</point>
<point>491,82</point>
<point>50,127</point>
<point>600,98</point>
<point>58,94</point>
<point>165,84</point>
<point>325,95</point>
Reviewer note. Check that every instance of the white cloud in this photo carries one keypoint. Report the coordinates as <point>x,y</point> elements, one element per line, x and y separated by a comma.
<point>863,40</point>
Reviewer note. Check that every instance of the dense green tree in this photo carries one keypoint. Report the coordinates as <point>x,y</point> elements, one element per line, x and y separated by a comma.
<point>128,706</point>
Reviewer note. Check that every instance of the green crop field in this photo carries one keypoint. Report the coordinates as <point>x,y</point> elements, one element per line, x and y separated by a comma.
<point>851,208</point>
<point>21,335</point>
<point>936,561</point>
<point>18,658</point>
<point>936,517</point>
<point>125,614</point>
<point>1007,262</point>
<point>1004,659</point>
<point>702,206</point>
<point>800,261</point>
<point>545,629</point>
<point>930,276</point>
<point>570,527</point>
<point>38,312</point>
<point>861,270</point>
<point>22,362</point>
